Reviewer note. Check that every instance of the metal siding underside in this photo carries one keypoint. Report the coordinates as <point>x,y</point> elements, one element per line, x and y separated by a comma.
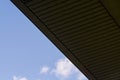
<point>86,29</point>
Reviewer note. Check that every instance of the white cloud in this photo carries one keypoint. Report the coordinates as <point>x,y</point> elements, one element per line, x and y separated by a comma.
<point>64,68</point>
<point>44,70</point>
<point>19,78</point>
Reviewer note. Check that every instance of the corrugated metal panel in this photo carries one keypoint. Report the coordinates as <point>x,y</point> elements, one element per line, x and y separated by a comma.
<point>86,29</point>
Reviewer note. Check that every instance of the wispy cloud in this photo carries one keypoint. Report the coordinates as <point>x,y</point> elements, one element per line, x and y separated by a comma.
<point>19,78</point>
<point>64,68</point>
<point>44,70</point>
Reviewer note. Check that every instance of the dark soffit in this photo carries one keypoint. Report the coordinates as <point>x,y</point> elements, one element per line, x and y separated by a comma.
<point>86,31</point>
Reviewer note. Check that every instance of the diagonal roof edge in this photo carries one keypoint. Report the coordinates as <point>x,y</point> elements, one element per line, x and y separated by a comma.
<point>53,38</point>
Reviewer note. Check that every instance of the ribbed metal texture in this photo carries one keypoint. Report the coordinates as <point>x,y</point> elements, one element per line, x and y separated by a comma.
<point>87,30</point>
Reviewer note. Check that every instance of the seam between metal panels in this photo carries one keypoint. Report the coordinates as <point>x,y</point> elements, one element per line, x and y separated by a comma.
<point>63,44</point>
<point>100,1</point>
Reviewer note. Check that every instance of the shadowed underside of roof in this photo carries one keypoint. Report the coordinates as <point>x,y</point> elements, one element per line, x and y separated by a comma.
<point>84,30</point>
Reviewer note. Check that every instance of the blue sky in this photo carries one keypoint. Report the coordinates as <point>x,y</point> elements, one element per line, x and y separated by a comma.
<point>26,54</point>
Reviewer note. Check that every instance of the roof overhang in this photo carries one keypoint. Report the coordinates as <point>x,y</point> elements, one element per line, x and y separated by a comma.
<point>86,31</point>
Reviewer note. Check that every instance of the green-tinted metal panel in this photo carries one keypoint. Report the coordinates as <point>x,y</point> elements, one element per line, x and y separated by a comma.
<point>113,6</point>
